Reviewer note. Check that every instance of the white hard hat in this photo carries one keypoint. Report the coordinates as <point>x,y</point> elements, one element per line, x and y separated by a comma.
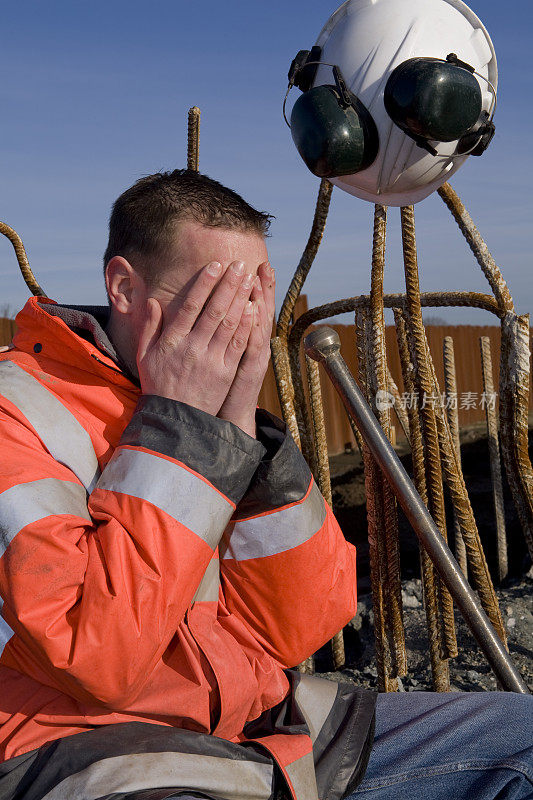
<point>389,60</point>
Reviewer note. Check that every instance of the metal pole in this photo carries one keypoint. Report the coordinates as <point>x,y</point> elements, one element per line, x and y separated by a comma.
<point>324,345</point>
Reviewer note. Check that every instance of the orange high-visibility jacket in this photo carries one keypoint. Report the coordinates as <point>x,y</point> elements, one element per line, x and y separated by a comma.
<point>157,564</point>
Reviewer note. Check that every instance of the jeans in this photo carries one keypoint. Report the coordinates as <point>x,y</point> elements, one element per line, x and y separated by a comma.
<point>454,746</point>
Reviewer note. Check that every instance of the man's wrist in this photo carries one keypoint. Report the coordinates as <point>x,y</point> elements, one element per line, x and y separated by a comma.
<point>248,426</point>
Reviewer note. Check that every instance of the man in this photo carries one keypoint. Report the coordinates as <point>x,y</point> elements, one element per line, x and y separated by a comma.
<point>165,552</point>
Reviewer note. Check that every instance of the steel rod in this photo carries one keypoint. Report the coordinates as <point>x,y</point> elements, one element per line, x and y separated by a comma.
<point>324,345</point>
<point>494,455</point>
<point>450,384</point>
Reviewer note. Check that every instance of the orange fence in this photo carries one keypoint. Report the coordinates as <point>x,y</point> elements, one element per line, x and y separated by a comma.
<point>7,330</point>
<point>467,362</point>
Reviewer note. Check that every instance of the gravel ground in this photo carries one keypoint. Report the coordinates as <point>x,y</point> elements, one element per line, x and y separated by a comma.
<point>469,671</point>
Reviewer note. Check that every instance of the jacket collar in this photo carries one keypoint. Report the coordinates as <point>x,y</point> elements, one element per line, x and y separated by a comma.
<point>70,334</point>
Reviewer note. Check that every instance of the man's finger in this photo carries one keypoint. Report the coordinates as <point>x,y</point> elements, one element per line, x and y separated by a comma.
<point>240,339</point>
<point>193,302</point>
<point>268,285</point>
<point>151,329</point>
<point>261,328</point>
<point>230,322</point>
<point>219,303</point>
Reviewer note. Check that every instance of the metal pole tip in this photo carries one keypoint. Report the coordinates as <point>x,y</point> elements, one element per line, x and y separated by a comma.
<point>321,343</point>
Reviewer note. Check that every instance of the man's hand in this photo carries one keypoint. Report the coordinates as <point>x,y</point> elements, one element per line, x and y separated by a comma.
<point>241,402</point>
<point>194,356</point>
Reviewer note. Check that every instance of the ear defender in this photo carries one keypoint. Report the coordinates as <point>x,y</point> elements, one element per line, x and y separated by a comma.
<point>433,99</point>
<point>333,139</point>
<point>332,130</point>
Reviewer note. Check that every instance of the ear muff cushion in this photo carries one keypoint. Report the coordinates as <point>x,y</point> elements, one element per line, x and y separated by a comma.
<point>433,99</point>
<point>333,140</point>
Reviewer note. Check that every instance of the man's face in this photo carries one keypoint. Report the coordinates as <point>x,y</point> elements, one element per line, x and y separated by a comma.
<point>196,246</point>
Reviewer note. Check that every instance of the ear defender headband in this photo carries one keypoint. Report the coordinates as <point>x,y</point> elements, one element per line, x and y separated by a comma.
<point>429,99</point>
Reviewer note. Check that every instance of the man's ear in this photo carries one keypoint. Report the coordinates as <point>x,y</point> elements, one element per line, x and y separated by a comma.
<point>122,283</point>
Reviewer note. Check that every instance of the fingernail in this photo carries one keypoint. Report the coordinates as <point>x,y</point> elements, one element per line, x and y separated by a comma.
<point>238,267</point>
<point>257,284</point>
<point>248,307</point>
<point>214,268</point>
<point>248,280</point>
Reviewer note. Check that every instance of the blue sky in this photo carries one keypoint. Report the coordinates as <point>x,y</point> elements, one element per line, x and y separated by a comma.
<point>95,94</point>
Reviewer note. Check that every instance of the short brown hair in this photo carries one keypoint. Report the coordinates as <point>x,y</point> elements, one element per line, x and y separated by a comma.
<point>141,223</point>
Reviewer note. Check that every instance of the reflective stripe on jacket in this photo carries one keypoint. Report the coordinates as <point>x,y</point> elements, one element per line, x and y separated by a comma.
<point>157,564</point>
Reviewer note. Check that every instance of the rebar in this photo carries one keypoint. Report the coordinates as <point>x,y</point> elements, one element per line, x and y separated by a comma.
<point>374,509</point>
<point>282,374</point>
<point>322,476</point>
<point>376,363</point>
<point>427,299</point>
<point>439,666</point>
<point>399,410</point>
<point>359,325</point>
<point>323,344</point>
<point>514,371</point>
<point>450,385</point>
<point>308,256</point>
<point>514,406</point>
<point>477,563</point>
<point>429,431</point>
<point>286,365</point>
<point>22,259</point>
<point>480,250</point>
<point>424,384</point>
<point>293,374</point>
<point>357,436</point>
<point>494,455</point>
<point>193,139</point>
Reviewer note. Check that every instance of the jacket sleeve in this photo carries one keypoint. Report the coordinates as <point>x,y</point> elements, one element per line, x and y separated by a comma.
<point>95,584</point>
<point>286,569</point>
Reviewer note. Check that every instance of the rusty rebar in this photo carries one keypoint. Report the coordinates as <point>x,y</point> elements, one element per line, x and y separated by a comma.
<point>357,436</point>
<point>376,364</point>
<point>427,299</point>
<point>322,476</point>
<point>477,563</point>
<point>494,455</point>
<point>359,325</point>
<point>479,248</point>
<point>439,666</point>
<point>514,406</point>
<point>308,256</point>
<point>193,139</point>
<point>514,373</point>
<point>285,316</point>
<point>450,385</point>
<point>282,374</point>
<point>424,384</point>
<point>374,508</point>
<point>324,345</point>
<point>22,259</point>
<point>399,410</point>
<point>286,364</point>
